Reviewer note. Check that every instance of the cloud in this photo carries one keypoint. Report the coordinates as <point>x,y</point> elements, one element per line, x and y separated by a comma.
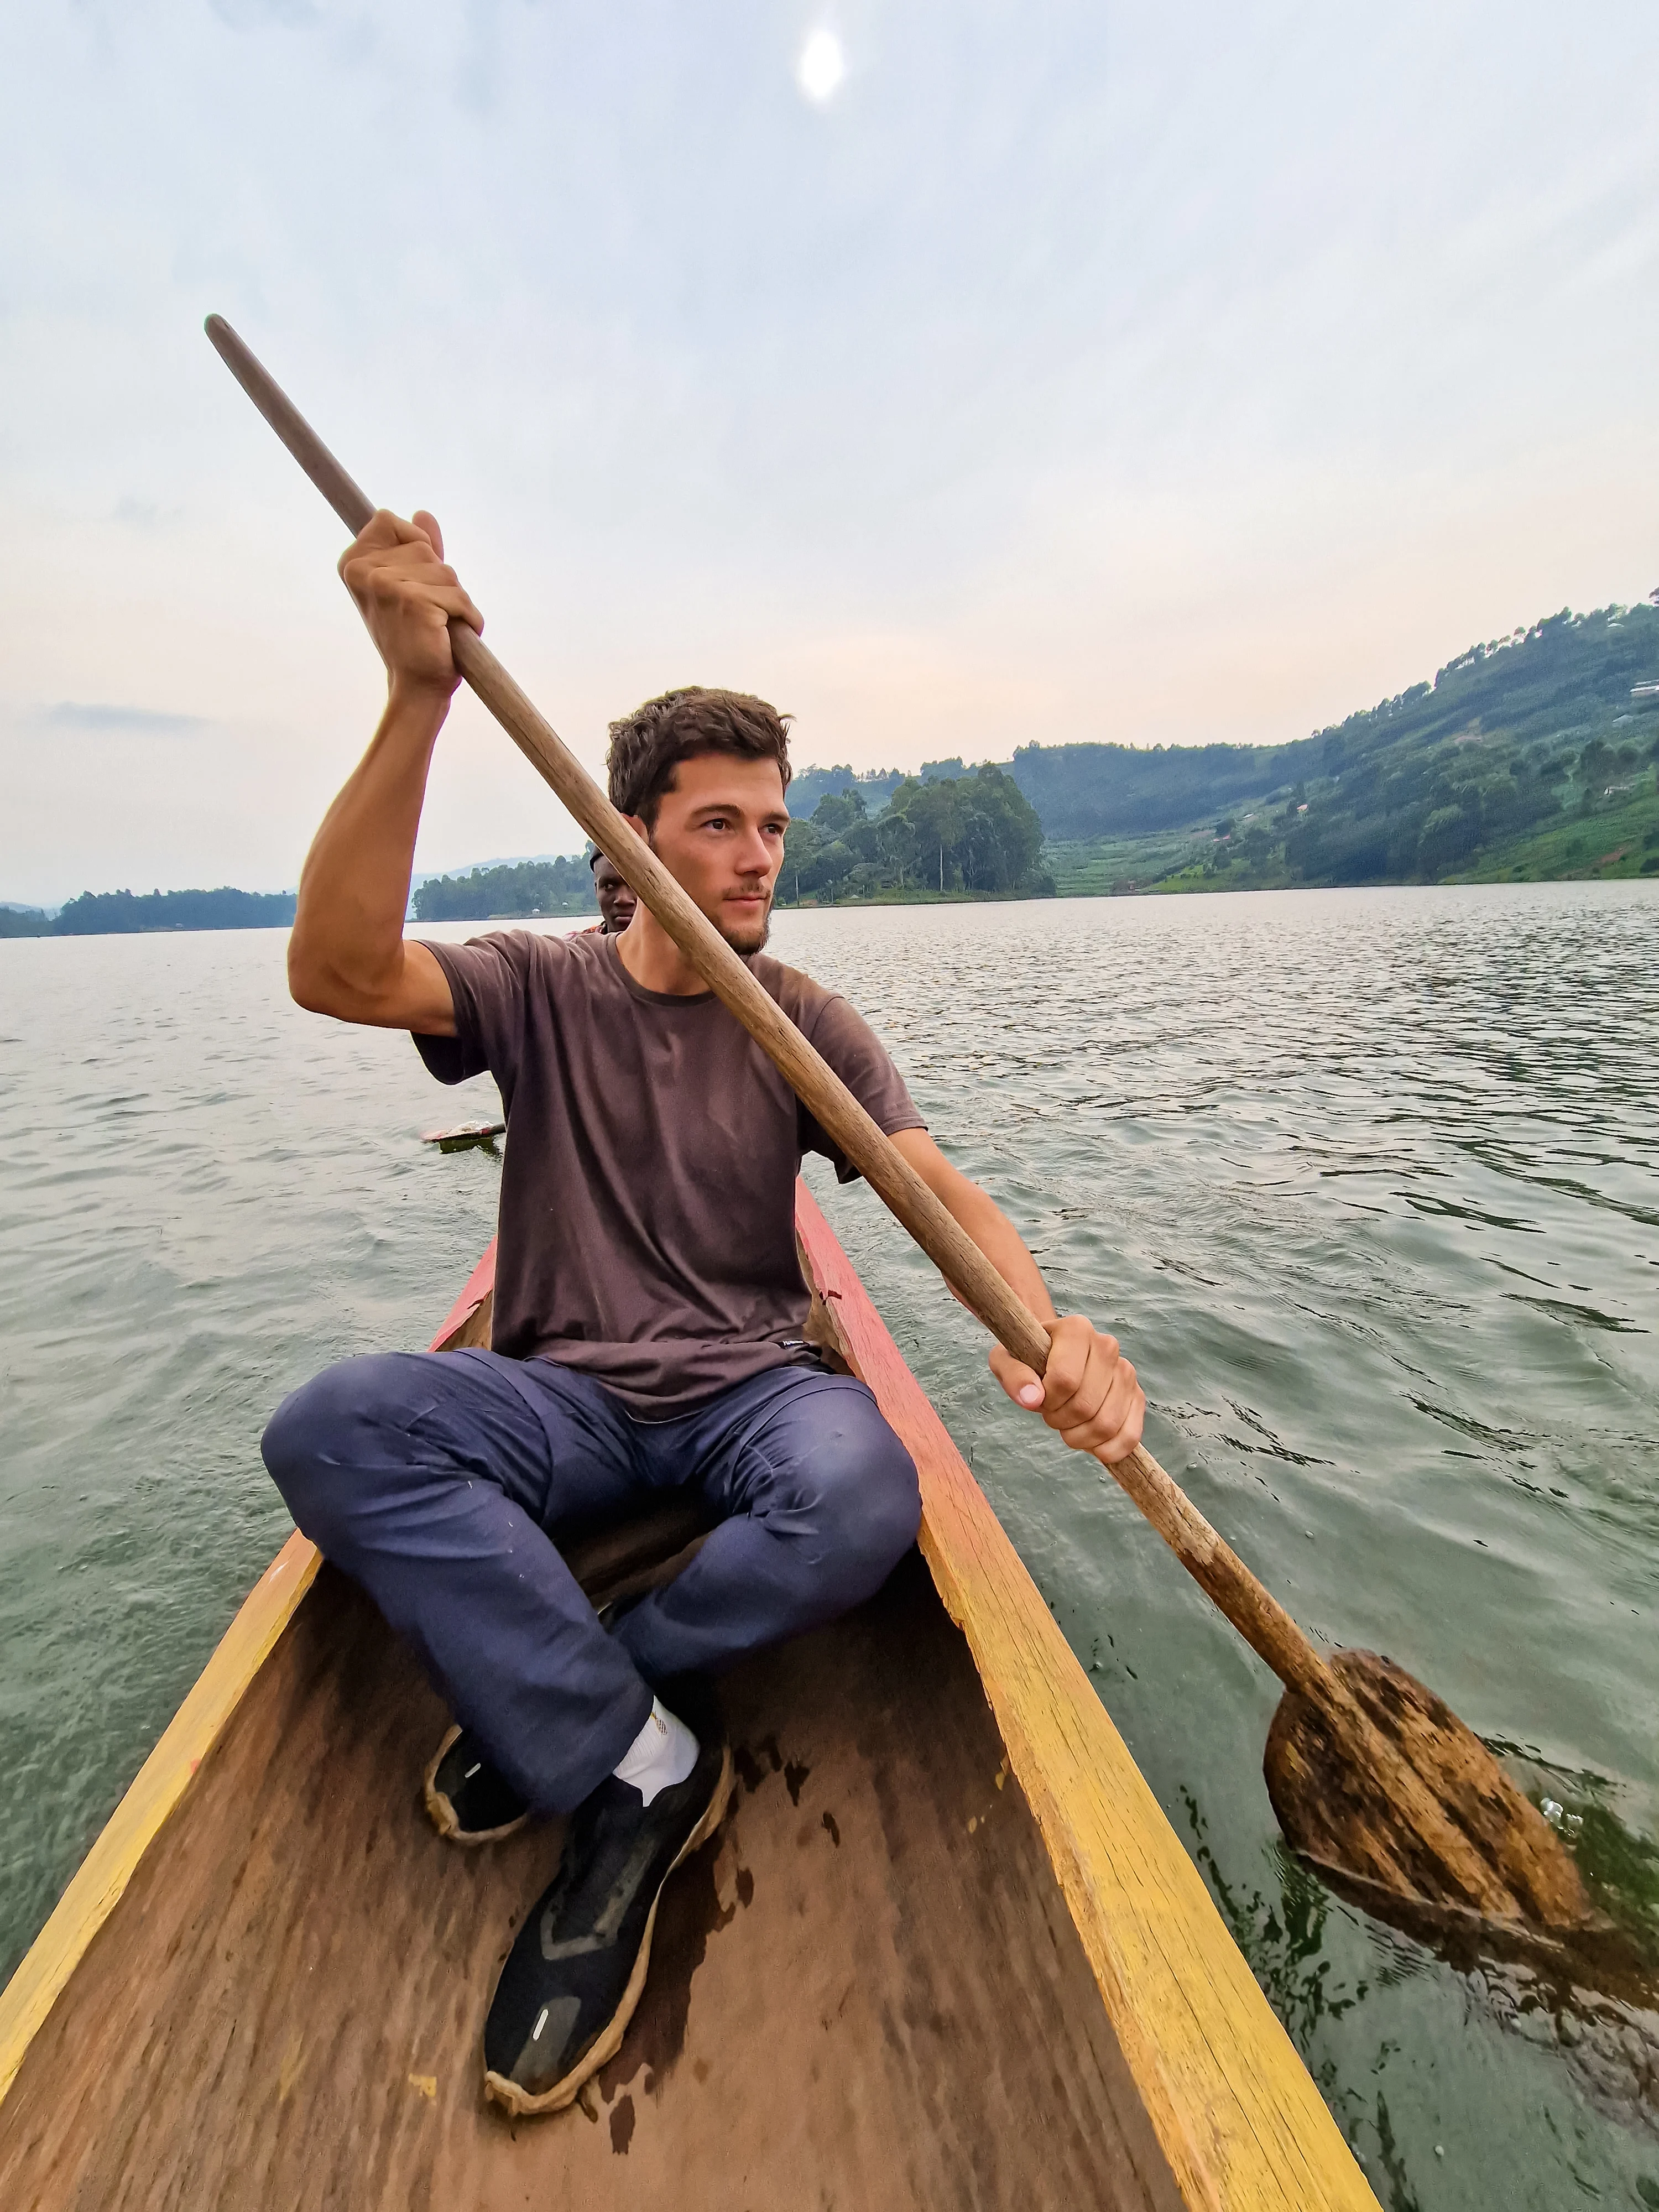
<point>143,513</point>
<point>142,721</point>
<point>250,15</point>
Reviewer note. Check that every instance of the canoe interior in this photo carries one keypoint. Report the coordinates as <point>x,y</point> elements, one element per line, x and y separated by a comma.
<point>866,1992</point>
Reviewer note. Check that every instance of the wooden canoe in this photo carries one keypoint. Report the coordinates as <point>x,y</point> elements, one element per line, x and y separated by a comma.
<point>946,1951</point>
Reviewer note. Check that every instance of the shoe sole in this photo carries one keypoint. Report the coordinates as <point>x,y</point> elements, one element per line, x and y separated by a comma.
<point>518,2101</point>
<point>441,1810</point>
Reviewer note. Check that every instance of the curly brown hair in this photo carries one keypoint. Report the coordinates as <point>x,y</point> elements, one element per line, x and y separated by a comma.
<point>647,746</point>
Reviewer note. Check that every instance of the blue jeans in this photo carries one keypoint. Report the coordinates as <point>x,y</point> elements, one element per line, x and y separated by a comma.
<point>439,1481</point>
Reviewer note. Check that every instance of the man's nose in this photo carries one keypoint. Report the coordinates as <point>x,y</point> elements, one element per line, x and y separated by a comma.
<point>756,859</point>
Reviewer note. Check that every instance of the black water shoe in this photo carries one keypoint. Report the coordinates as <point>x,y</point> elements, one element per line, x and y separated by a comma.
<point>469,1802</point>
<point>574,1976</point>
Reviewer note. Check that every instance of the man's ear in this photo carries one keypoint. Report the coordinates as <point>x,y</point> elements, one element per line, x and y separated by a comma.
<point>637,822</point>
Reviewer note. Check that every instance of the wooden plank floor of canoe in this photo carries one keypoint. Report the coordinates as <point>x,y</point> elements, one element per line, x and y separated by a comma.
<point>866,1992</point>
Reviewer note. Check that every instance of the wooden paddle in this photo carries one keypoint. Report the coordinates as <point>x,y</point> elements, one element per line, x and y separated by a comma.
<point>1370,1775</point>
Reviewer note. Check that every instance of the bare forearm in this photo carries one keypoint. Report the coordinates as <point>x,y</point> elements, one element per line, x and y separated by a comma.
<point>1002,1244</point>
<point>1088,1393</point>
<point>346,954</point>
<point>982,1218</point>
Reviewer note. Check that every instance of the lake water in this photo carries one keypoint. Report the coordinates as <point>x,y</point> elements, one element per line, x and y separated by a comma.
<point>1367,1183</point>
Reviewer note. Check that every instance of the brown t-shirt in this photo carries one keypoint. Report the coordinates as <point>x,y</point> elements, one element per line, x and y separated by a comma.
<point>647,1198</point>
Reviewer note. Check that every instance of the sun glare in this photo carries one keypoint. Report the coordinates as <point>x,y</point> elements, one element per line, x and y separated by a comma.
<point>821,66</point>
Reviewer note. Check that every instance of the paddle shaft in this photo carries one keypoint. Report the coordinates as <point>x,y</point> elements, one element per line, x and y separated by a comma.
<point>1258,1616</point>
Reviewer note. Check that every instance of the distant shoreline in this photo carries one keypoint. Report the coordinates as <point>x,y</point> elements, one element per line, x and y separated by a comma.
<point>127,914</point>
<point>913,899</point>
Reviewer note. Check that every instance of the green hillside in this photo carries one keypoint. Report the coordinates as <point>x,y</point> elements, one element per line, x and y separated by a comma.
<point>1527,758</point>
<point>1531,758</point>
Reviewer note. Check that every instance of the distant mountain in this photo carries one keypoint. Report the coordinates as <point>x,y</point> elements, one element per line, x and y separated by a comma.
<point>1532,754</point>
<point>1118,791</point>
<point>1555,722</point>
<point>1489,747</point>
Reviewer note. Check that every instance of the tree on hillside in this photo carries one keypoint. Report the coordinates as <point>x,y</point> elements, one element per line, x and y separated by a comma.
<point>839,810</point>
<point>934,812</point>
<point>522,891</point>
<point>809,784</point>
<point>975,833</point>
<point>899,842</point>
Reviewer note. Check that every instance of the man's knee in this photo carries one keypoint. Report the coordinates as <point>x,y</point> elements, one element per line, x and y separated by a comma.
<point>869,1501</point>
<point>316,1445</point>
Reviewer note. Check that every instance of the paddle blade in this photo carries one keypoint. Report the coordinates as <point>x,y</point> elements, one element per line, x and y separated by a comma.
<point>1504,1861</point>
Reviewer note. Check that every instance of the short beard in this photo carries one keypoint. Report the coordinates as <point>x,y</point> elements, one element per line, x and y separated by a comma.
<point>753,937</point>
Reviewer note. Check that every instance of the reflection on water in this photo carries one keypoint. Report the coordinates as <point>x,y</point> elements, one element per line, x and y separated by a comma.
<point>1607,2041</point>
<point>1284,1939</point>
<point>1365,1181</point>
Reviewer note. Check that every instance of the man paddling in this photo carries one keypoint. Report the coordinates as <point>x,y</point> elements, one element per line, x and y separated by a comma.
<point>647,1325</point>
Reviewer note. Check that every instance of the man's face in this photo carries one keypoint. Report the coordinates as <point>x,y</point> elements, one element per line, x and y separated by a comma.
<point>720,834</point>
<point>617,901</point>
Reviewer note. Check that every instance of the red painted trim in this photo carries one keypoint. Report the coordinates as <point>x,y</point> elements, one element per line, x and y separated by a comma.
<point>479,1284</point>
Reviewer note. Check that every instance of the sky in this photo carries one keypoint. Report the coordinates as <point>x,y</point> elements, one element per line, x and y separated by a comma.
<point>957,376</point>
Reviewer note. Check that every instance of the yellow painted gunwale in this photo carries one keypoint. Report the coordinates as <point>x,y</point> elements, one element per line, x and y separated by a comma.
<point>96,1890</point>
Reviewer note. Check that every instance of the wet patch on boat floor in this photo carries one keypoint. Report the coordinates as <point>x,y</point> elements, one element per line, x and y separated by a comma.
<point>756,1766</point>
<point>622,2125</point>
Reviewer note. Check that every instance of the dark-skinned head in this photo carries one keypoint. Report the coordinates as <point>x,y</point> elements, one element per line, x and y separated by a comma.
<point>617,900</point>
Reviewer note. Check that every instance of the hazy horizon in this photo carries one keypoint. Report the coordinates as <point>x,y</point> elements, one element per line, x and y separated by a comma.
<point>1126,374</point>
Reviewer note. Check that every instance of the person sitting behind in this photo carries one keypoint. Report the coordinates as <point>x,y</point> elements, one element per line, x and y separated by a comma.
<point>615,897</point>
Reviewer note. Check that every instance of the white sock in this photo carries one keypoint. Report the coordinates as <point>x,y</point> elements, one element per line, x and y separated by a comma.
<point>663,1753</point>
